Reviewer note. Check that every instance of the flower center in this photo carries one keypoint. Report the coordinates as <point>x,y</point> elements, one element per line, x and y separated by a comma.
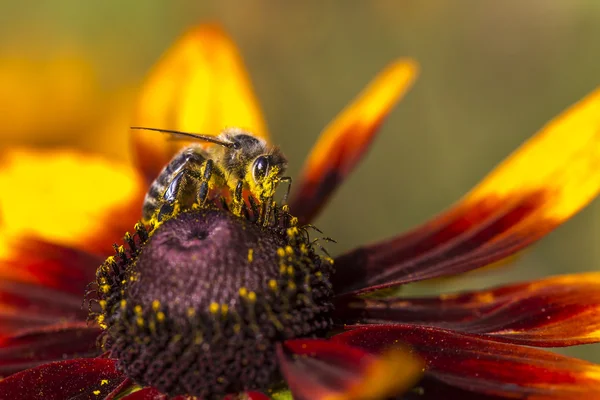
<point>197,305</point>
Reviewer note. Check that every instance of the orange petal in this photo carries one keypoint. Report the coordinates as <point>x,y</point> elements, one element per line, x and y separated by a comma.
<point>546,181</point>
<point>558,311</point>
<point>200,85</point>
<point>345,140</point>
<point>68,198</point>
<point>317,369</point>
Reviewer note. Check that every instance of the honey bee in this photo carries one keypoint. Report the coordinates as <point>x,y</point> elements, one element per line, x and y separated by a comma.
<point>238,160</point>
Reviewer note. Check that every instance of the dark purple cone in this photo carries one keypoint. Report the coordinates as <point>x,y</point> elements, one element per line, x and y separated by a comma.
<point>197,305</point>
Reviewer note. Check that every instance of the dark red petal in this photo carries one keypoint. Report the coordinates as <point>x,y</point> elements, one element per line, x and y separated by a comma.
<point>50,343</point>
<point>430,388</point>
<point>319,369</point>
<point>79,379</point>
<point>459,242</point>
<point>558,311</point>
<point>52,265</point>
<point>472,362</point>
<point>28,305</point>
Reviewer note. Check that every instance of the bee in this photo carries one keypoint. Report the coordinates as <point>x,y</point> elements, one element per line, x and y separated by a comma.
<point>237,160</point>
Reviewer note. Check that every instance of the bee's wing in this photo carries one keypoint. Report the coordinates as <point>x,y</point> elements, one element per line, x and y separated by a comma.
<point>199,85</point>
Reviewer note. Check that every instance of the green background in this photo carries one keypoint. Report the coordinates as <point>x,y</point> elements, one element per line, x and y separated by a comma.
<point>493,72</point>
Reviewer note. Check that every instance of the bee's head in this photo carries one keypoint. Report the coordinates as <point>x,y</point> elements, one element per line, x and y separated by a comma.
<point>272,164</point>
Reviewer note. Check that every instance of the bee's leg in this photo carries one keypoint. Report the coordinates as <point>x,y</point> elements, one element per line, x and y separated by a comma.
<point>237,199</point>
<point>204,184</point>
<point>288,180</point>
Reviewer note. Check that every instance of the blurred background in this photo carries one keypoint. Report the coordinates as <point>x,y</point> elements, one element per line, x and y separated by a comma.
<point>492,74</point>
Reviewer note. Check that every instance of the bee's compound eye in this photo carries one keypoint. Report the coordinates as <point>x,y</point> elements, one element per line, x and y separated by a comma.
<point>260,168</point>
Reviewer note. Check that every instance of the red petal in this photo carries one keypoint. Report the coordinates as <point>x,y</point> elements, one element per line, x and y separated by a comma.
<point>49,264</point>
<point>344,142</point>
<point>559,311</point>
<point>479,236</point>
<point>43,284</point>
<point>472,362</point>
<point>545,182</point>
<point>319,369</point>
<point>79,379</point>
<point>26,305</point>
<point>50,343</point>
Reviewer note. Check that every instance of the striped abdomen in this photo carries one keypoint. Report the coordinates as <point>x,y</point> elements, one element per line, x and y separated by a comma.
<point>164,188</point>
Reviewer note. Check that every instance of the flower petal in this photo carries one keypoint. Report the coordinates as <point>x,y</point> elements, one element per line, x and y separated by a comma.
<point>78,379</point>
<point>559,311</point>
<point>319,369</point>
<point>344,141</point>
<point>27,305</point>
<point>66,197</point>
<point>200,85</point>
<point>471,362</point>
<point>48,265</point>
<point>50,343</point>
<point>546,181</point>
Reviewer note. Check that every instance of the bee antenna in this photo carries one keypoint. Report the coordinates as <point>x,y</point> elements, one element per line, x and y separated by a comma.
<point>196,136</point>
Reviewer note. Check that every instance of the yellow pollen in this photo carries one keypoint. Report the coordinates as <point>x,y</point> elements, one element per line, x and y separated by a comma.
<point>104,382</point>
<point>250,255</point>
<point>102,304</point>
<point>294,221</point>
<point>103,280</point>
<point>252,296</point>
<point>291,285</point>
<point>224,309</point>
<point>137,309</point>
<point>243,292</point>
<point>140,321</point>
<point>303,248</point>
<point>155,305</point>
<point>105,288</point>
<point>191,312</point>
<point>214,308</point>
<point>282,268</point>
<point>160,316</point>
<point>289,251</point>
<point>273,284</point>
<point>123,304</point>
<point>96,392</point>
<point>290,270</point>
<point>280,252</point>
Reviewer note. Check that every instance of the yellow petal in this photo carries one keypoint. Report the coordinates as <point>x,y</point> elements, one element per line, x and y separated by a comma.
<point>67,198</point>
<point>343,142</point>
<point>562,162</point>
<point>47,99</point>
<point>200,85</point>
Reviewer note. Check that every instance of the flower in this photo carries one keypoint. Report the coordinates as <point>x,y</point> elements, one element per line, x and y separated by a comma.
<point>257,297</point>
